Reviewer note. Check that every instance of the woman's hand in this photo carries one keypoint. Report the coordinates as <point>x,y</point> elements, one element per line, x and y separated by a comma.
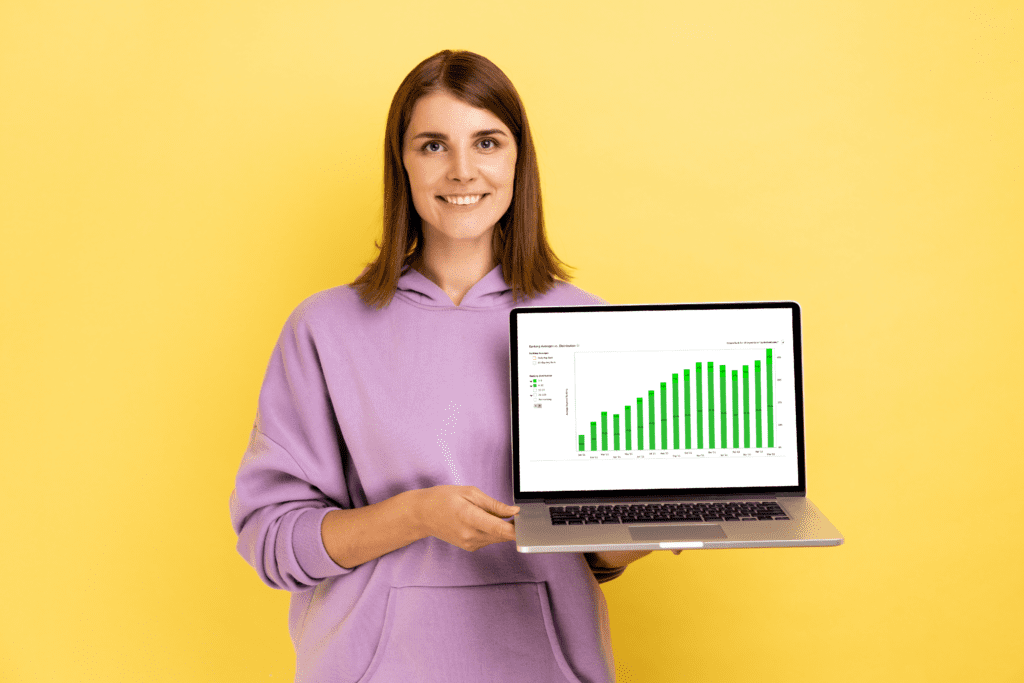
<point>610,559</point>
<point>464,516</point>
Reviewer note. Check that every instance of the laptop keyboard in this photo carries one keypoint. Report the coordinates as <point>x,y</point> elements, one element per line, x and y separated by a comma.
<point>734,511</point>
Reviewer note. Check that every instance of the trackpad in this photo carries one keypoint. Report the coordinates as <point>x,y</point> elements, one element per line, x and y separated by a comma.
<point>678,532</point>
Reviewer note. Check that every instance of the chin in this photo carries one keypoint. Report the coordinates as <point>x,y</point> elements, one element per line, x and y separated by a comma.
<point>457,232</point>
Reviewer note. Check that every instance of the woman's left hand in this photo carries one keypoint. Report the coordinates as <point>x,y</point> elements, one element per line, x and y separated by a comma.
<point>612,558</point>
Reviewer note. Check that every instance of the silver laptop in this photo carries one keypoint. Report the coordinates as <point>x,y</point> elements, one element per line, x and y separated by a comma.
<point>660,426</point>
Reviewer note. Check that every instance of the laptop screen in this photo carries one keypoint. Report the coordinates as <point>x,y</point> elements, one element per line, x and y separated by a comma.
<point>662,399</point>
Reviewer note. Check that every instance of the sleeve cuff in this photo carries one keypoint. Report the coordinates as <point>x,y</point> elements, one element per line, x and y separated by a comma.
<point>308,545</point>
<point>604,574</point>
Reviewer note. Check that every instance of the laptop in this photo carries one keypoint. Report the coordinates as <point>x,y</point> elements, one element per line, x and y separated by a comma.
<point>660,426</point>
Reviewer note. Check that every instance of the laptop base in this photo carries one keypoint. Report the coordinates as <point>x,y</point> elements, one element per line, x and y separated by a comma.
<point>807,527</point>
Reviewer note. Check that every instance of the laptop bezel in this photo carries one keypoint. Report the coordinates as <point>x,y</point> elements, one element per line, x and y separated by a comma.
<point>641,495</point>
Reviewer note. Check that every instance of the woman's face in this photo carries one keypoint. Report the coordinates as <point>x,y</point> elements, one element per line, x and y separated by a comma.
<point>461,163</point>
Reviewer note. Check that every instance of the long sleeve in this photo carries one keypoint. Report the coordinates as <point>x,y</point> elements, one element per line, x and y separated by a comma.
<point>291,474</point>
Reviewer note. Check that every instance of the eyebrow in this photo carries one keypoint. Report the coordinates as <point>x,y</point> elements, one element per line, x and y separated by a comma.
<point>442,136</point>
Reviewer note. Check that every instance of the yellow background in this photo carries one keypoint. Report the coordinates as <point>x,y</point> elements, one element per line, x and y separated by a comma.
<point>176,176</point>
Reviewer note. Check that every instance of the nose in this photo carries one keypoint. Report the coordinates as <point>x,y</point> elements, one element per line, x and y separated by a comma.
<point>460,169</point>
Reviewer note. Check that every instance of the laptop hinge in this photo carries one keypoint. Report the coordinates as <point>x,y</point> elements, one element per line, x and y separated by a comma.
<point>663,499</point>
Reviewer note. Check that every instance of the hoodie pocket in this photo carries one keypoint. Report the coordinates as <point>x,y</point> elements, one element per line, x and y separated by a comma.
<point>497,632</point>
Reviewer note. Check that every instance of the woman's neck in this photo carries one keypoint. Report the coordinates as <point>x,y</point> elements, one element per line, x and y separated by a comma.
<point>456,268</point>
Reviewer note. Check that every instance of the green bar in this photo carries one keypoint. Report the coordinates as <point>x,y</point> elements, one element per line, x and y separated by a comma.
<point>664,416</point>
<point>629,442</point>
<point>771,408</point>
<point>604,431</point>
<point>593,436</point>
<point>757,401</point>
<point>686,406</point>
<point>721,391</point>
<point>650,416</point>
<point>700,409</point>
<point>615,427</point>
<point>675,410</point>
<point>639,424</point>
<point>582,443</point>
<point>746,406</point>
<point>711,404</point>
<point>735,409</point>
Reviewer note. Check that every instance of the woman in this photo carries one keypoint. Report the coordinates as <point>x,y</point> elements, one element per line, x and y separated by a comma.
<point>374,484</point>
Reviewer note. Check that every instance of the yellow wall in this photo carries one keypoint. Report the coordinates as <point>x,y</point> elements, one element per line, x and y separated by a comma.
<point>176,176</point>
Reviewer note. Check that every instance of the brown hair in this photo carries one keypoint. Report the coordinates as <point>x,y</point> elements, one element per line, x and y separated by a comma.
<point>527,261</point>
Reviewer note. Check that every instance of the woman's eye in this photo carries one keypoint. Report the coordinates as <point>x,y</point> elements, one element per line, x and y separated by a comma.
<point>432,147</point>
<point>488,144</point>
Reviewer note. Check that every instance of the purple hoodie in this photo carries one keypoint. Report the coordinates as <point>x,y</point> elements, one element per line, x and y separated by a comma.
<point>359,405</point>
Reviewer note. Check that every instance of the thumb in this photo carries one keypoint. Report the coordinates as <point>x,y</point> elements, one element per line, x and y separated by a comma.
<point>504,510</point>
<point>496,507</point>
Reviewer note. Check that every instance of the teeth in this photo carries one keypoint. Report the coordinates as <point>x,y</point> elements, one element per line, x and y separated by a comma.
<point>463,199</point>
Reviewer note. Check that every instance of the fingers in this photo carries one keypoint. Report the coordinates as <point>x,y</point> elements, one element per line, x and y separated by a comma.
<point>465,516</point>
<point>497,529</point>
<point>484,512</point>
<point>509,531</point>
<point>488,504</point>
<point>474,520</point>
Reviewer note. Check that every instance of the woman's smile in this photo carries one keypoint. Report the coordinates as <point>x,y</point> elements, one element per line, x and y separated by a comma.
<point>462,199</point>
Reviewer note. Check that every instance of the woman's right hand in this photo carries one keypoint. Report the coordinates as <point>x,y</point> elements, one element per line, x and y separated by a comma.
<point>464,516</point>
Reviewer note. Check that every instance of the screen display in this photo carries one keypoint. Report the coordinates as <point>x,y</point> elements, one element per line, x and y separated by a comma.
<point>662,399</point>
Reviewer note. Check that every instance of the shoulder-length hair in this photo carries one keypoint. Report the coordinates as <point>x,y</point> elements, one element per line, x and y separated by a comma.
<point>527,261</point>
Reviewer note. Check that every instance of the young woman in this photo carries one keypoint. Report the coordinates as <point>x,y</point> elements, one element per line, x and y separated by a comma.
<point>375,482</point>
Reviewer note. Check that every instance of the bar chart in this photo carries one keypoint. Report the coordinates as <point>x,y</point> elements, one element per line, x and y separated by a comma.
<point>683,402</point>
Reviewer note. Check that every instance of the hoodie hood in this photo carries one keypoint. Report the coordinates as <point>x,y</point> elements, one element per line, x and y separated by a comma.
<point>490,291</point>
